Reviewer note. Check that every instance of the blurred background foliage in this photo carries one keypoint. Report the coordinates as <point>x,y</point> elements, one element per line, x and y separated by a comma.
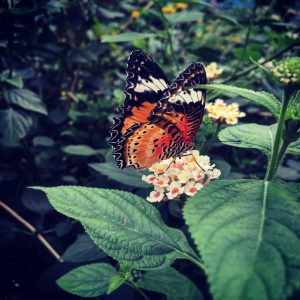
<point>62,71</point>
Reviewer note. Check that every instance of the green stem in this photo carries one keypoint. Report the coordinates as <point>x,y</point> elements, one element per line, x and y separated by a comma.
<point>168,34</point>
<point>133,285</point>
<point>278,148</point>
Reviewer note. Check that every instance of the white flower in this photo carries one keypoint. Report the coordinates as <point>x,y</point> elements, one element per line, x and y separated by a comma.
<point>149,178</point>
<point>175,189</point>
<point>156,195</point>
<point>213,174</point>
<point>184,176</point>
<point>161,181</point>
<point>191,188</point>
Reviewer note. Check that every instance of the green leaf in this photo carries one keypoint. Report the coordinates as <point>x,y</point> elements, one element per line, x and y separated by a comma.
<point>88,281</point>
<point>80,150</point>
<point>262,98</point>
<point>14,80</point>
<point>83,250</point>
<point>171,283</point>
<point>255,136</point>
<point>184,17</point>
<point>14,125</point>
<point>115,283</point>
<point>25,99</point>
<point>43,141</point>
<point>125,176</point>
<point>248,233</point>
<point>126,37</point>
<point>123,225</point>
<point>294,147</point>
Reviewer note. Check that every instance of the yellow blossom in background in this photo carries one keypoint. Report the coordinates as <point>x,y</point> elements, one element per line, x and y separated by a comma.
<point>63,93</point>
<point>212,71</point>
<point>181,5</point>
<point>185,175</point>
<point>135,14</point>
<point>234,39</point>
<point>169,9</point>
<point>222,112</point>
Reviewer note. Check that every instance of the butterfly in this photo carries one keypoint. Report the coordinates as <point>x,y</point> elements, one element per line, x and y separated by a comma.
<point>159,119</point>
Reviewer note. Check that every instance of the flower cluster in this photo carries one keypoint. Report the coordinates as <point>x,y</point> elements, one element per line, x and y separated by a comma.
<point>185,175</point>
<point>224,113</point>
<point>212,71</point>
<point>171,9</point>
<point>287,71</point>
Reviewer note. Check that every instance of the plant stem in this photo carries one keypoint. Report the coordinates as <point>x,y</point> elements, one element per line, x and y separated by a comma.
<point>168,34</point>
<point>277,152</point>
<point>32,229</point>
<point>133,285</point>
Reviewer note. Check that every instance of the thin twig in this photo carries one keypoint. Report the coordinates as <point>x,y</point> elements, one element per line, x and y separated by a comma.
<point>32,229</point>
<point>279,53</point>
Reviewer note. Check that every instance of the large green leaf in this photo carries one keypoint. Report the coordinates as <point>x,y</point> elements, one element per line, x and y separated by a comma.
<point>123,225</point>
<point>13,78</point>
<point>125,37</point>
<point>25,99</point>
<point>171,283</point>
<point>255,136</point>
<point>248,234</point>
<point>126,176</point>
<point>14,125</point>
<point>89,280</point>
<point>262,98</point>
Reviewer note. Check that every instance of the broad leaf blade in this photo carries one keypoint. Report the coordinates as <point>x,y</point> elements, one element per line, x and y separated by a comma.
<point>123,225</point>
<point>255,136</point>
<point>125,37</point>
<point>170,282</point>
<point>126,176</point>
<point>262,98</point>
<point>25,99</point>
<point>14,125</point>
<point>248,233</point>
<point>88,281</point>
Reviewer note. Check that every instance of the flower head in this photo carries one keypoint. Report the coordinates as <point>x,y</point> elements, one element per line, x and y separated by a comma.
<point>184,175</point>
<point>169,9</point>
<point>224,113</point>
<point>212,71</point>
<point>287,71</point>
<point>181,5</point>
<point>135,14</point>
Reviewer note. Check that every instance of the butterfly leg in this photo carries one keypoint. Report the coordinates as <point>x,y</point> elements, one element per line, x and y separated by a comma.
<point>191,154</point>
<point>172,162</point>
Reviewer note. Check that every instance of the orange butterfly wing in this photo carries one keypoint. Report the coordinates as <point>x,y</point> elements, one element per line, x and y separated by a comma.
<point>151,142</point>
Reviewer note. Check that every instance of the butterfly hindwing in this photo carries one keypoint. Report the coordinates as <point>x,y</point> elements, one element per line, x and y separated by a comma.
<point>151,142</point>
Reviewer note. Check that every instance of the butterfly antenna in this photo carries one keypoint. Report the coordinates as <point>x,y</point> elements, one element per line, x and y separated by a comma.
<point>219,142</point>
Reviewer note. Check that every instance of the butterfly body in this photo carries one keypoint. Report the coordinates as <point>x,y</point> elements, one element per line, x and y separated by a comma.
<point>159,120</point>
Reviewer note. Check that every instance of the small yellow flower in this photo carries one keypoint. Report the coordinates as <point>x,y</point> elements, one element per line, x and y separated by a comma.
<point>169,10</point>
<point>287,71</point>
<point>63,93</point>
<point>224,113</point>
<point>234,39</point>
<point>212,71</point>
<point>135,14</point>
<point>181,5</point>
